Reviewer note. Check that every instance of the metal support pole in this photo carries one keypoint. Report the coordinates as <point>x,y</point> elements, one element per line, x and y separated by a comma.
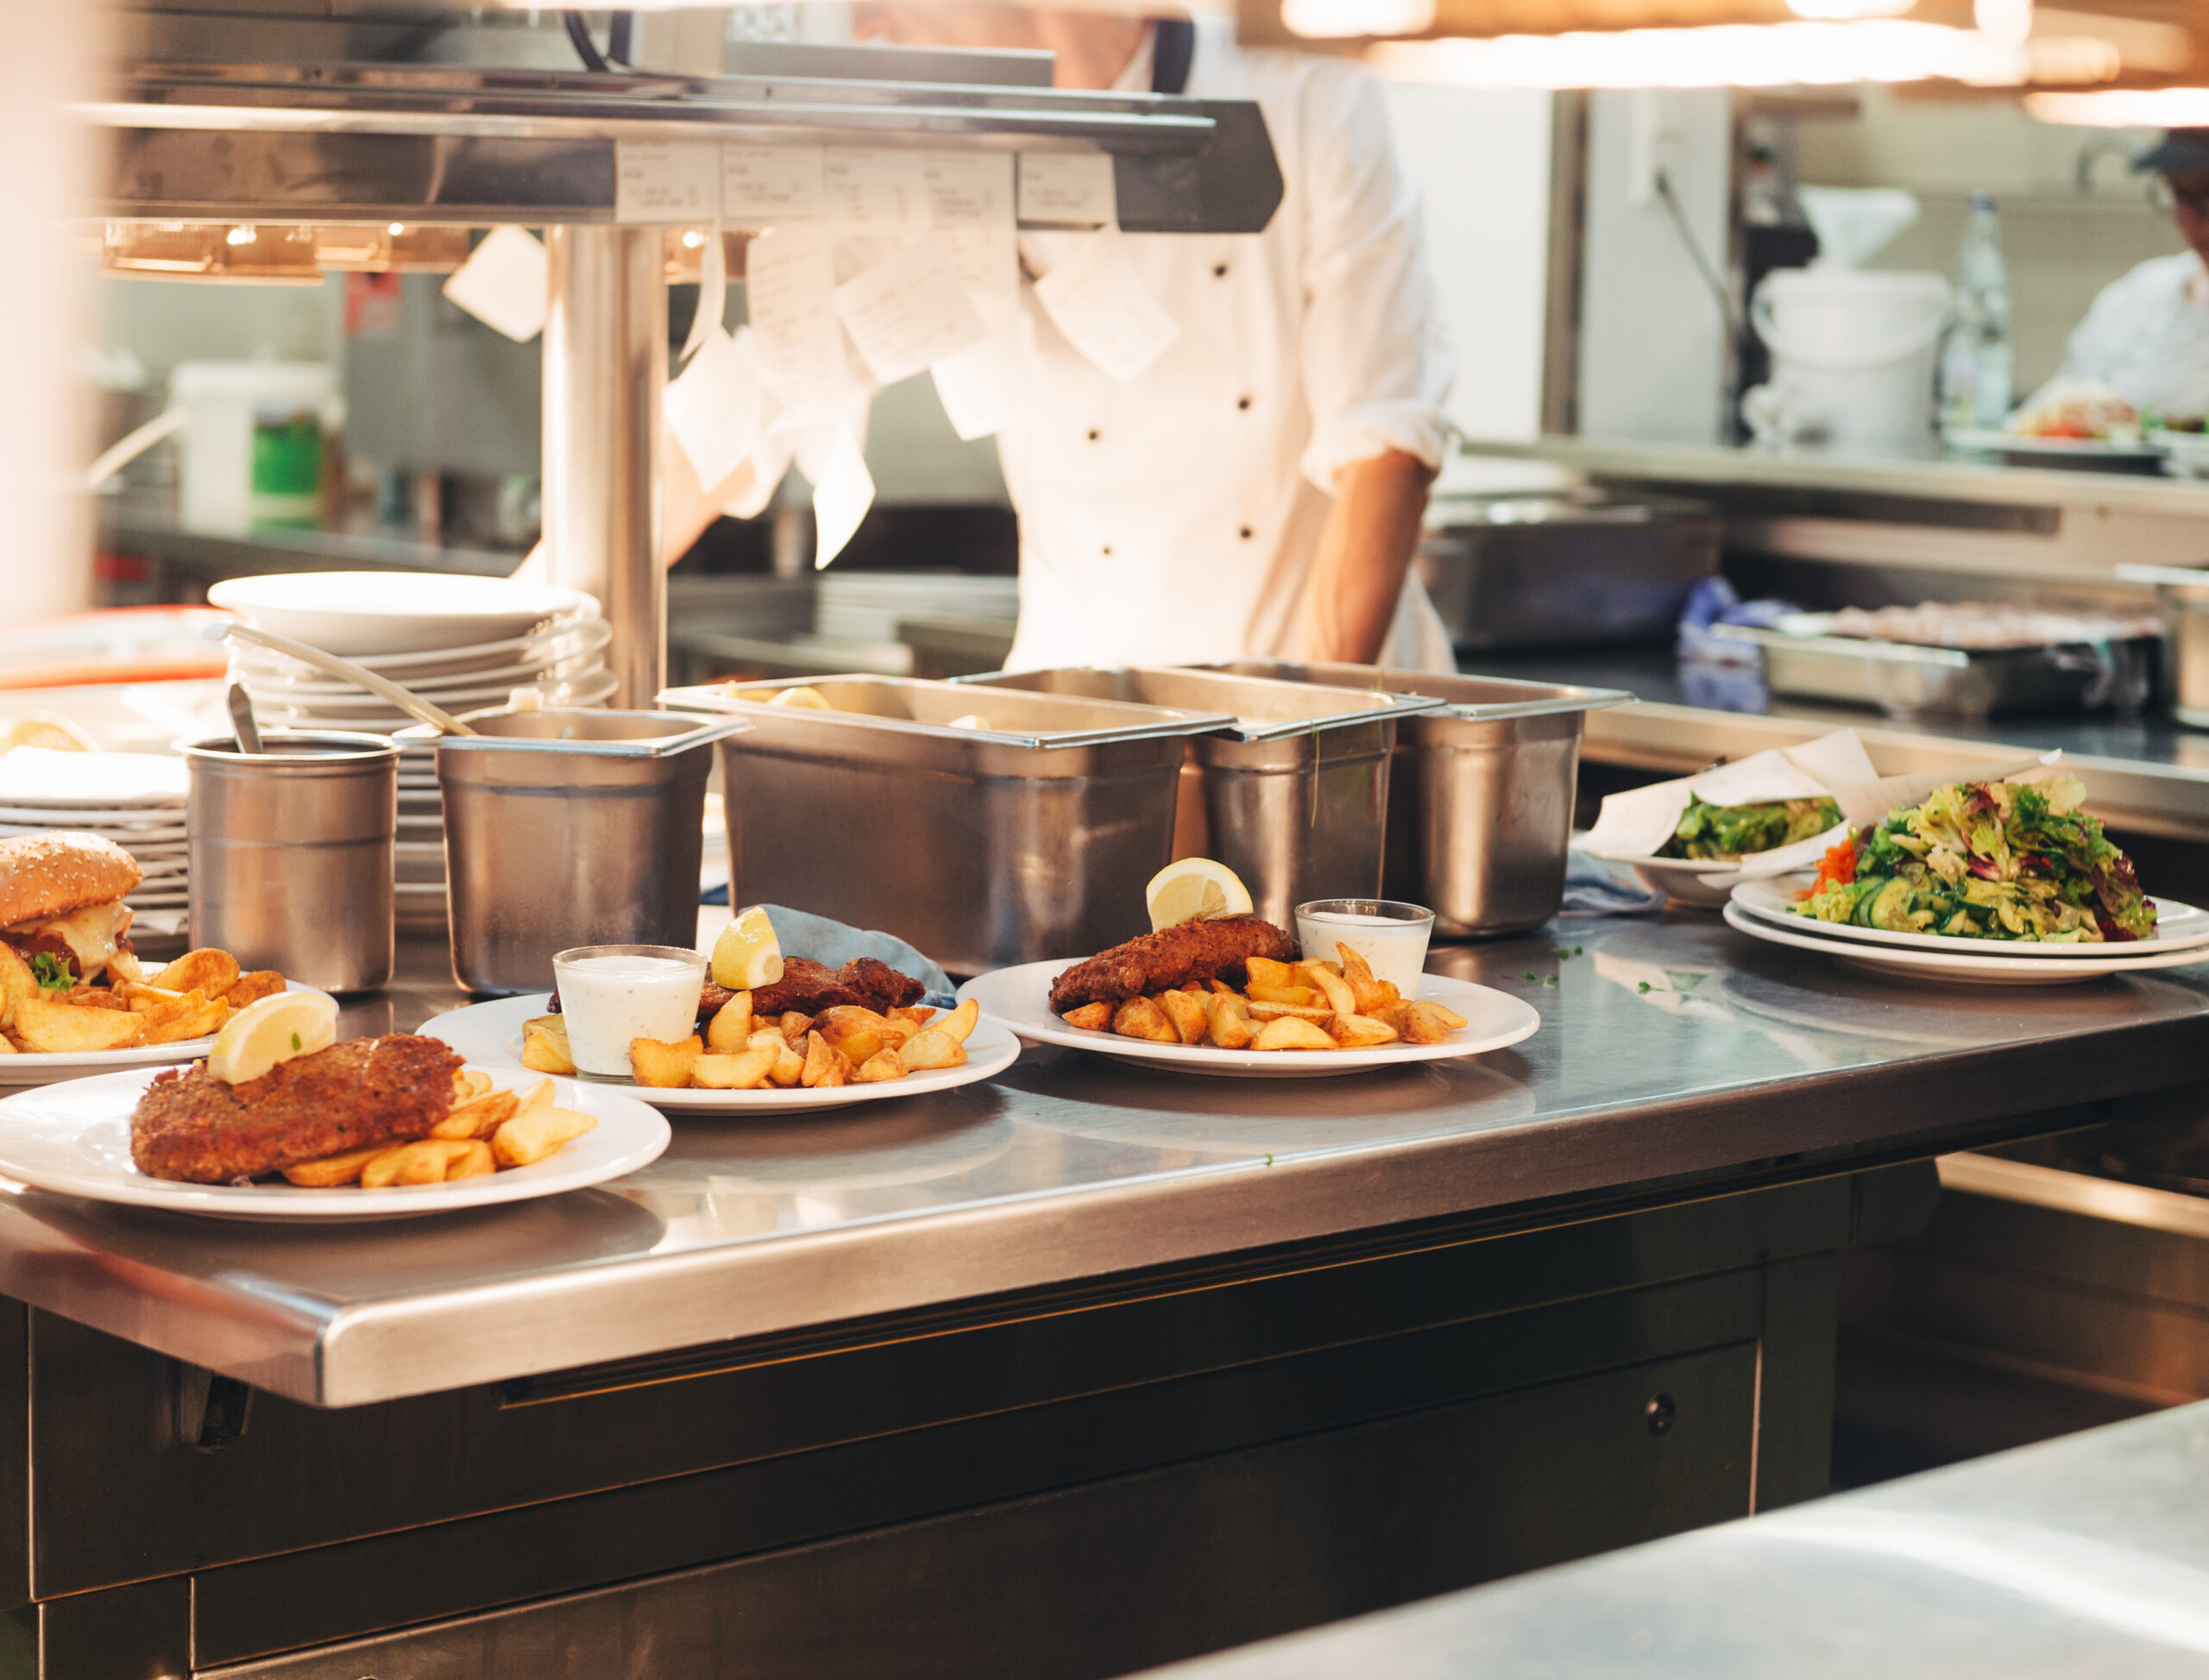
<point>605,363</point>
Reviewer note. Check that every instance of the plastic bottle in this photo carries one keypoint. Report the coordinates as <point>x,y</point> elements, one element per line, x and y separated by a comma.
<point>1977,380</point>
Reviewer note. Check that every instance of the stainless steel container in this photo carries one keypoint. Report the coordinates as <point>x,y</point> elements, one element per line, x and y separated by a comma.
<point>2184,595</point>
<point>290,854</point>
<point>1547,570</point>
<point>570,827</point>
<point>1480,794</point>
<point>1031,836</point>
<point>1292,794</point>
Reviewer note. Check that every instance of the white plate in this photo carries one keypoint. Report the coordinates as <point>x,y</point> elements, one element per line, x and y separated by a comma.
<point>91,780</point>
<point>365,711</point>
<point>387,613</point>
<point>490,1033</point>
<point>2178,927</point>
<point>2012,443</point>
<point>1956,968</point>
<point>1703,882</point>
<point>27,1067</point>
<point>1019,997</point>
<point>75,1139</point>
<point>582,626</point>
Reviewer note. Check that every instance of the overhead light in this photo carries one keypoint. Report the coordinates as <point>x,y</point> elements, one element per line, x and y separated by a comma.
<point>2124,108</point>
<point>1342,20</point>
<point>1806,53</point>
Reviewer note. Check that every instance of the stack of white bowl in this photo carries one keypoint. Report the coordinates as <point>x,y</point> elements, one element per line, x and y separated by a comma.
<point>134,799</point>
<point>462,642</point>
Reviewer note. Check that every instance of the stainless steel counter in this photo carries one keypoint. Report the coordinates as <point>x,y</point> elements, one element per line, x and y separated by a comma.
<point>1674,1055</point>
<point>2087,1556</point>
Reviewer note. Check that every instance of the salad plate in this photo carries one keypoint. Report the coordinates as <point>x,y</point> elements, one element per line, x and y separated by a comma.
<point>2178,927</point>
<point>1704,883</point>
<point>1959,967</point>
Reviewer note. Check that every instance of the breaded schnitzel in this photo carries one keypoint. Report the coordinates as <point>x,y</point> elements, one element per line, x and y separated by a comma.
<point>365,1091</point>
<point>1161,961</point>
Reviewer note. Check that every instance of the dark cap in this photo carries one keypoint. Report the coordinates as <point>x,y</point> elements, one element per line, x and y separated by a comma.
<point>2180,152</point>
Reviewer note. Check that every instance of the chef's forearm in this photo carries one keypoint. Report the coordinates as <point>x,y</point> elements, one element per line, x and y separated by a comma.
<point>1365,548</point>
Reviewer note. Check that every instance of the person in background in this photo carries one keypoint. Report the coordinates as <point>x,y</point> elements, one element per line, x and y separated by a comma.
<point>1257,491</point>
<point>2147,335</point>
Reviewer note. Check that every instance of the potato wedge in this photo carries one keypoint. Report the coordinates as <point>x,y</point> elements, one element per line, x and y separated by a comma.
<point>1422,1022</point>
<point>930,1048</point>
<point>1334,991</point>
<point>767,1038</point>
<point>1300,996</point>
<point>8,1046</point>
<point>1226,1026</point>
<point>919,1013</point>
<point>820,1057</point>
<point>468,1085</point>
<point>1090,1018</point>
<point>1140,1017</point>
<point>1188,1016</point>
<point>145,999</point>
<point>544,1046</point>
<point>794,1026</point>
<point>877,1068</point>
<point>1360,1032</point>
<point>1291,1033</point>
<point>125,965</point>
<point>93,997</point>
<point>788,1067</point>
<point>205,970</point>
<point>536,1097</point>
<point>528,1138</point>
<point>664,1066</point>
<point>1314,1013</point>
<point>477,1163</point>
<point>199,1015</point>
<point>426,1161</point>
<point>61,1029</point>
<point>739,1072</point>
<point>1371,996</point>
<point>1265,971</point>
<point>331,1170</point>
<point>731,1027</point>
<point>480,1116</point>
<point>17,983</point>
<point>253,987</point>
<point>960,1022</point>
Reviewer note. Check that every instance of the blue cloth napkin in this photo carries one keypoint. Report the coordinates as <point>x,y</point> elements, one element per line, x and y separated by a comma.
<point>1592,887</point>
<point>835,943</point>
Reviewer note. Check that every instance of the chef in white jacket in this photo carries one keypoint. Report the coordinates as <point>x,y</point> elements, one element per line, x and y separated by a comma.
<point>1256,490</point>
<point>2147,335</point>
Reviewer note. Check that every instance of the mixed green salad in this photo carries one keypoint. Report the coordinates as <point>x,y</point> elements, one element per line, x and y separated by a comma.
<point>1986,861</point>
<point>1714,832</point>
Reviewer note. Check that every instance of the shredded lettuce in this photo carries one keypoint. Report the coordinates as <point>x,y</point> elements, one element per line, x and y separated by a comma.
<point>1729,831</point>
<point>51,972</point>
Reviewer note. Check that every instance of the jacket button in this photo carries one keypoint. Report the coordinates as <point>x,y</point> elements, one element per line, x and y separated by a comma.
<point>1247,533</point>
<point>1108,551</point>
<point>1219,271</point>
<point>1241,402</point>
<point>1094,434</point>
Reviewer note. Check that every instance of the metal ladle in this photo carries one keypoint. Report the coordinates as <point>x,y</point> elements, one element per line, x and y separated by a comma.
<point>412,704</point>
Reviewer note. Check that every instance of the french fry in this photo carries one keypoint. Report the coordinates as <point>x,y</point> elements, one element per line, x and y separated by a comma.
<point>859,1032</point>
<point>1291,1033</point>
<point>536,1097</point>
<point>200,1015</point>
<point>123,966</point>
<point>960,1022</point>
<point>839,1071</point>
<point>664,1066</point>
<point>1334,990</point>
<point>50,1028</point>
<point>739,1072</point>
<point>929,1049</point>
<point>205,970</point>
<point>1139,1018</point>
<point>795,1025</point>
<point>17,983</point>
<point>1422,1022</point>
<point>1189,1016</point>
<point>820,1057</point>
<point>331,1170</point>
<point>1372,996</point>
<point>252,988</point>
<point>1360,1032</point>
<point>529,1138</point>
<point>467,1084</point>
<point>477,1163</point>
<point>1225,1025</point>
<point>767,1038</point>
<point>731,1027</point>
<point>1090,1018</point>
<point>1314,1013</point>
<point>544,1046</point>
<point>143,999</point>
<point>788,1067</point>
<point>1265,971</point>
<point>480,1116</point>
<point>81,997</point>
<point>879,1068</point>
<point>919,1013</point>
<point>8,1046</point>
<point>426,1161</point>
<point>1296,996</point>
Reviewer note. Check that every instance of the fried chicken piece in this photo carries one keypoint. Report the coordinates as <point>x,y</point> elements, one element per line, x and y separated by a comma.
<point>809,987</point>
<point>365,1091</point>
<point>1161,961</point>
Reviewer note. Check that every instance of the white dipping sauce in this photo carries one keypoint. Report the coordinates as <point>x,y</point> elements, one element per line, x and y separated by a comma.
<point>1396,950</point>
<point>611,999</point>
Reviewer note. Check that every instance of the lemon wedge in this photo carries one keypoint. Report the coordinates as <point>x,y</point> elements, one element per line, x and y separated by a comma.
<point>271,1030</point>
<point>1194,890</point>
<point>747,955</point>
<point>809,699</point>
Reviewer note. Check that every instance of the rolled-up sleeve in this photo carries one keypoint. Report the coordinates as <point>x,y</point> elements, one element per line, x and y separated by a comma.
<point>1376,364</point>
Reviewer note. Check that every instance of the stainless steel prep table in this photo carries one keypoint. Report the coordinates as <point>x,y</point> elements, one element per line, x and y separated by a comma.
<point>1111,1333</point>
<point>2085,1556</point>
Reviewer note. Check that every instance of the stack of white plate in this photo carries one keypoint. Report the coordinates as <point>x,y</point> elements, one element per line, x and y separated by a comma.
<point>461,643</point>
<point>134,799</point>
<point>1764,910</point>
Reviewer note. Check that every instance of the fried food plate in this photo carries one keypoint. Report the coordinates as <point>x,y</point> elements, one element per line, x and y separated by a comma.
<point>490,1035</point>
<point>74,1139</point>
<point>36,1068</point>
<point>1019,998</point>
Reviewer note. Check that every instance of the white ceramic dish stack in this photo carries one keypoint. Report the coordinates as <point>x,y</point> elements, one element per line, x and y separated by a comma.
<point>134,799</point>
<point>462,642</point>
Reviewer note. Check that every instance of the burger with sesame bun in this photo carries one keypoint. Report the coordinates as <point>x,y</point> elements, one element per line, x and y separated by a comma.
<point>61,907</point>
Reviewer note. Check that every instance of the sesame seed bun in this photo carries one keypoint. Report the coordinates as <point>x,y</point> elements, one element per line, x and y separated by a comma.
<point>53,874</point>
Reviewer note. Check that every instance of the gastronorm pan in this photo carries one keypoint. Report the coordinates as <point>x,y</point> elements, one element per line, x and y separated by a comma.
<point>1480,794</point>
<point>983,828</point>
<point>1292,793</point>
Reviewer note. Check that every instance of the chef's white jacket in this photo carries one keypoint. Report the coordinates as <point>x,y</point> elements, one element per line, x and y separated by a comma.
<point>2147,336</point>
<point>1175,518</point>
